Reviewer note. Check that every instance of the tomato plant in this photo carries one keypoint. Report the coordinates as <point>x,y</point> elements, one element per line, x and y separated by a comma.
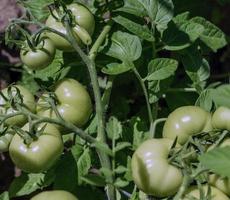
<point>185,122</point>
<point>151,171</point>
<point>39,154</point>
<point>83,29</point>
<point>39,57</point>
<point>73,102</point>
<point>129,107</point>
<point>54,195</point>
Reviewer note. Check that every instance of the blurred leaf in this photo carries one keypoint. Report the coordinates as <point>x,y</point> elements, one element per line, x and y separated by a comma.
<point>117,68</point>
<point>122,145</point>
<point>217,160</point>
<point>181,17</point>
<point>120,183</point>
<point>159,11</point>
<point>141,31</point>
<point>113,128</point>
<point>120,169</point>
<point>212,36</point>
<point>4,196</point>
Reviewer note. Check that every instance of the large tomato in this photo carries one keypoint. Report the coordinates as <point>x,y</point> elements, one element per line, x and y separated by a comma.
<point>194,192</point>
<point>73,102</point>
<point>54,195</point>
<point>151,171</point>
<point>40,57</point>
<point>83,29</point>
<point>41,153</point>
<point>28,101</point>
<point>221,118</point>
<point>186,121</point>
<point>5,141</point>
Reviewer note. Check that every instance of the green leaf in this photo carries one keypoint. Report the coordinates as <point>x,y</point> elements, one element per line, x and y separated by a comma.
<point>138,133</point>
<point>181,17</point>
<point>212,36</point>
<point>141,31</point>
<point>26,184</point>
<point>221,95</point>
<point>117,68</point>
<point>159,11</point>
<point>4,196</point>
<point>181,35</point>
<point>121,183</point>
<point>38,8</point>
<point>205,100</point>
<point>83,164</point>
<point>125,47</point>
<point>133,7</point>
<point>196,67</point>
<point>161,68</point>
<point>217,160</point>
<point>120,169</point>
<point>121,145</point>
<point>94,180</point>
<point>113,128</point>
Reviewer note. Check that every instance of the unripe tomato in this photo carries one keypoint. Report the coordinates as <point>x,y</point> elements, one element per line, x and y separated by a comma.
<point>28,101</point>
<point>40,57</point>
<point>73,102</point>
<point>41,153</point>
<point>5,141</point>
<point>151,171</point>
<point>83,30</point>
<point>186,121</point>
<point>221,118</point>
<point>54,195</point>
<point>194,192</point>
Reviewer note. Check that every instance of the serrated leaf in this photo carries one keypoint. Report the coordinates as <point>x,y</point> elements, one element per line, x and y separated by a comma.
<point>83,164</point>
<point>120,183</point>
<point>26,184</point>
<point>159,11</point>
<point>133,7</point>
<point>217,160</point>
<point>125,47</point>
<point>4,196</point>
<point>212,36</point>
<point>117,68</point>
<point>120,169</point>
<point>161,68</point>
<point>121,145</point>
<point>94,180</point>
<point>181,35</point>
<point>113,128</point>
<point>181,17</point>
<point>221,95</point>
<point>141,31</point>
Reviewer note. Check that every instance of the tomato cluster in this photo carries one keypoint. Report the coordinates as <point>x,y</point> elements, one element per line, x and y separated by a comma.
<point>39,55</point>
<point>151,169</point>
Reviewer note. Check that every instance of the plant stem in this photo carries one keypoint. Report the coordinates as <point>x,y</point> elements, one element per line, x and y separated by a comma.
<point>154,125</point>
<point>104,158</point>
<point>145,94</point>
<point>186,181</point>
<point>181,90</point>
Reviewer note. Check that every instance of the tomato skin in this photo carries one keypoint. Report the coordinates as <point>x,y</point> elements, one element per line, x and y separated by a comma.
<point>151,170</point>
<point>54,195</point>
<point>5,141</point>
<point>74,103</point>
<point>40,154</point>
<point>28,100</point>
<point>39,58</point>
<point>215,193</point>
<point>221,118</point>
<point>83,18</point>
<point>186,121</point>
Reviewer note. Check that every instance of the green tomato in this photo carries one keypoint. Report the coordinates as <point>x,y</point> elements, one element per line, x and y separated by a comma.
<point>83,30</point>
<point>54,195</point>
<point>221,118</point>
<point>40,57</point>
<point>5,141</point>
<point>151,171</point>
<point>186,121</point>
<point>195,193</point>
<point>41,153</point>
<point>215,180</point>
<point>28,101</point>
<point>74,103</point>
